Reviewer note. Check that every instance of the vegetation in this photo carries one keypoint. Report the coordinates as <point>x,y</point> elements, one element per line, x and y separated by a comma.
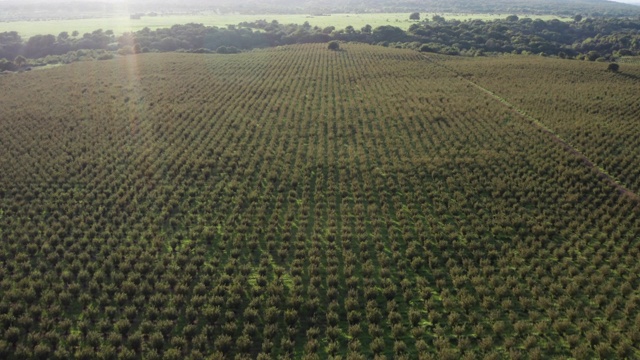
<point>593,110</point>
<point>304,203</point>
<point>123,24</point>
<point>590,39</point>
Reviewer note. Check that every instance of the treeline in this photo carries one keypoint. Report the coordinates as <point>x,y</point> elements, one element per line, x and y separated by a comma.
<point>594,8</point>
<point>590,39</point>
<point>50,49</point>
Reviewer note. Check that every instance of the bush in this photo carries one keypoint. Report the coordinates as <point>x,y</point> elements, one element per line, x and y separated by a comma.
<point>227,50</point>
<point>334,45</point>
<point>426,48</point>
<point>613,67</point>
<point>624,52</point>
<point>201,51</point>
<point>125,50</point>
<point>6,65</point>
<point>105,56</point>
<point>593,55</point>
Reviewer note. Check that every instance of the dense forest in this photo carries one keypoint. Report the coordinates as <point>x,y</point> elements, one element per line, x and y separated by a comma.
<point>558,7</point>
<point>591,39</point>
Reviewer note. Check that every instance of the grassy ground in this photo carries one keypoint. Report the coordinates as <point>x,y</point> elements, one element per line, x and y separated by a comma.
<point>123,24</point>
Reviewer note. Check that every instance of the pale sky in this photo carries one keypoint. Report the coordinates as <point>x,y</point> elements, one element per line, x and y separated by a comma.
<point>636,2</point>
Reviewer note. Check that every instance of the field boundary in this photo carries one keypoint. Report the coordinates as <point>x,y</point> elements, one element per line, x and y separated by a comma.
<point>603,174</point>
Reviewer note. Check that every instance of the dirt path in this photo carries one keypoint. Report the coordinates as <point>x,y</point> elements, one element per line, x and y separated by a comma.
<point>603,174</point>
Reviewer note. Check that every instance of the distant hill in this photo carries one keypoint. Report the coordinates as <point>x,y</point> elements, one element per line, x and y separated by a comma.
<point>37,9</point>
<point>635,2</point>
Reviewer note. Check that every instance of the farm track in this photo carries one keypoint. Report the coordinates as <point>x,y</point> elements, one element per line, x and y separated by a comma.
<point>557,138</point>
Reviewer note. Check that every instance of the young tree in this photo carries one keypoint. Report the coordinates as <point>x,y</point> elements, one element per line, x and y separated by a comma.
<point>20,61</point>
<point>63,36</point>
<point>328,30</point>
<point>388,33</point>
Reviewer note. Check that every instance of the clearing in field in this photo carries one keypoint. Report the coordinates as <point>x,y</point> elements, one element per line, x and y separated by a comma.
<point>309,203</point>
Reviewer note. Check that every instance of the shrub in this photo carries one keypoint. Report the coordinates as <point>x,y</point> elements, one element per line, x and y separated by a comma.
<point>227,50</point>
<point>426,48</point>
<point>6,65</point>
<point>125,50</point>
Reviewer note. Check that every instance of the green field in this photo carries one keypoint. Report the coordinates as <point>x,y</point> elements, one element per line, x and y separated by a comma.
<point>301,203</point>
<point>123,24</point>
